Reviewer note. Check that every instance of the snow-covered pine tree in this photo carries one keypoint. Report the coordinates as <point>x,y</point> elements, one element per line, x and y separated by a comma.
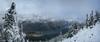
<point>87,21</point>
<point>91,19</point>
<point>97,16</point>
<point>10,28</point>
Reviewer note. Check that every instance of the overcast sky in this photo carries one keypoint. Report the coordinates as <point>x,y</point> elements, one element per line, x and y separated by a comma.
<point>53,8</point>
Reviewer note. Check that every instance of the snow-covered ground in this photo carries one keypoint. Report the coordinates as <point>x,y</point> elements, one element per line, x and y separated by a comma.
<point>86,35</point>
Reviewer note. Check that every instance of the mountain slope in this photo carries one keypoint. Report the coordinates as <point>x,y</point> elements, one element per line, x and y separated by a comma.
<point>86,35</point>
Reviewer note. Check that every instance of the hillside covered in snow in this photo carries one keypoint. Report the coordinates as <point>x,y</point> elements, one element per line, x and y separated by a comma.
<point>86,35</point>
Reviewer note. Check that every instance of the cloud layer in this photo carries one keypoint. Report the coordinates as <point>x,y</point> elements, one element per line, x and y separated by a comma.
<point>53,8</point>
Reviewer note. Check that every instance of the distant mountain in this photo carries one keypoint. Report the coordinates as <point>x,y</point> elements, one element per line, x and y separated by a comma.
<point>48,29</point>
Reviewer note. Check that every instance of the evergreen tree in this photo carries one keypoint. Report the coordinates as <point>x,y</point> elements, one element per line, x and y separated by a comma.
<point>91,18</point>
<point>11,29</point>
<point>87,21</point>
<point>97,16</point>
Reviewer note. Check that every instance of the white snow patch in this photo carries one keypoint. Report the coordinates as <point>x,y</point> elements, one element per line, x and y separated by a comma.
<point>86,35</point>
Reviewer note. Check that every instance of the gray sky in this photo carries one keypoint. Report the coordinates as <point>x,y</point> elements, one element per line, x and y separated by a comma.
<point>76,9</point>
